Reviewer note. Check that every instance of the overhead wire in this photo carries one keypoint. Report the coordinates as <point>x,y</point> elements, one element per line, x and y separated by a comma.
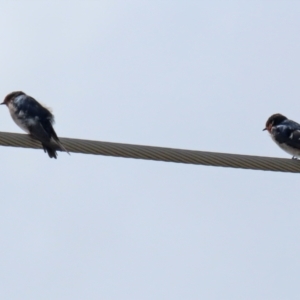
<point>158,153</point>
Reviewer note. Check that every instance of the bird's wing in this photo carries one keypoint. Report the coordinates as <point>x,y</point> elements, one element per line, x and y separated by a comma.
<point>42,129</point>
<point>289,135</point>
<point>48,128</point>
<point>294,139</point>
<point>39,133</point>
<point>32,108</point>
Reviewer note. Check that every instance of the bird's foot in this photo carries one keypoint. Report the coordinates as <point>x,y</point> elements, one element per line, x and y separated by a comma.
<point>295,158</point>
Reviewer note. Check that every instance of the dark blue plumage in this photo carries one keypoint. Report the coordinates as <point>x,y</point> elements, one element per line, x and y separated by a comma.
<point>285,133</point>
<point>35,119</point>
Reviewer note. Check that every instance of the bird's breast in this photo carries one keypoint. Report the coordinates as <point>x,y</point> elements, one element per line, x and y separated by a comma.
<point>20,118</point>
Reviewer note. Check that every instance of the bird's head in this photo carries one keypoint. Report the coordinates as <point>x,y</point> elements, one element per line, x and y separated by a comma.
<point>11,97</point>
<point>274,120</point>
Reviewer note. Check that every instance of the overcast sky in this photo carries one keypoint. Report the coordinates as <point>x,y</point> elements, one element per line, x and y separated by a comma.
<point>201,75</point>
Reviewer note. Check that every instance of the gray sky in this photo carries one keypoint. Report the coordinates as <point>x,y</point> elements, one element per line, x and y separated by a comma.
<point>201,75</point>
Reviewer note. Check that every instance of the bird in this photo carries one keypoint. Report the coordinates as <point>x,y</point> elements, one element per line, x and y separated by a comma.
<point>34,119</point>
<point>285,133</point>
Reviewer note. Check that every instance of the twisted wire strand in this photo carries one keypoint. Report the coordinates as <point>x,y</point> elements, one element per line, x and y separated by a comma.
<point>158,153</point>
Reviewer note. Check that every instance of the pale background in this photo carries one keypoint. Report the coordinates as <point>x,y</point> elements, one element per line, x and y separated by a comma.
<point>202,75</point>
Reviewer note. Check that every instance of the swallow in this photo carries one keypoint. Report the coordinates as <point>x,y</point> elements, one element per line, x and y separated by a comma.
<point>285,133</point>
<point>34,119</point>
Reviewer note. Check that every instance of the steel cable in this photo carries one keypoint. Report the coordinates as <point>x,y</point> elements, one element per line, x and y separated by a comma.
<point>158,153</point>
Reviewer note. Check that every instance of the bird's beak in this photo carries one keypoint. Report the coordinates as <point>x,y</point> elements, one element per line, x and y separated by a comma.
<point>263,129</point>
<point>2,103</point>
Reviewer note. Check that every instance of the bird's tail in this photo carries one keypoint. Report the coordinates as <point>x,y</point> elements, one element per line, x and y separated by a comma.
<point>51,152</point>
<point>62,147</point>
